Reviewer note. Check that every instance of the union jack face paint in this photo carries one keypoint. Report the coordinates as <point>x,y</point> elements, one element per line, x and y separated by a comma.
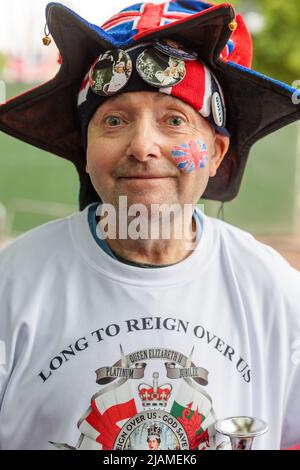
<point>190,156</point>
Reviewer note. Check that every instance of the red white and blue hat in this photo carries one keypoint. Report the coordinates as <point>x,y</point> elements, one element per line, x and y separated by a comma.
<point>48,118</point>
<point>145,68</point>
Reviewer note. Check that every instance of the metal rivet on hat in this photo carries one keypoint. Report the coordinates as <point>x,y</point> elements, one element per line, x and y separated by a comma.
<point>217,109</point>
<point>232,25</point>
<point>174,49</point>
<point>110,73</point>
<point>160,70</point>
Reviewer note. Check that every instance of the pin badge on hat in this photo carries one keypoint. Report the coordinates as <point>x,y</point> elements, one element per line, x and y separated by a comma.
<point>174,49</point>
<point>217,109</point>
<point>110,72</point>
<point>160,70</point>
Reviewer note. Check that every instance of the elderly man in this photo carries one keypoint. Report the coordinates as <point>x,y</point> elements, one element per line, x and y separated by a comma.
<point>181,330</point>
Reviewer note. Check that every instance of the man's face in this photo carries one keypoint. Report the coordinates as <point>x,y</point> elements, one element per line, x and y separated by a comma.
<point>132,141</point>
<point>119,68</point>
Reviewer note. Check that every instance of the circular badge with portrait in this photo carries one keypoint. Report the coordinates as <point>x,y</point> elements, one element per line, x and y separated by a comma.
<point>152,430</point>
<point>174,49</point>
<point>160,70</point>
<point>110,73</point>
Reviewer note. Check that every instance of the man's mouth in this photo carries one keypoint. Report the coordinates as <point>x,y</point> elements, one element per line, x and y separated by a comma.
<point>144,177</point>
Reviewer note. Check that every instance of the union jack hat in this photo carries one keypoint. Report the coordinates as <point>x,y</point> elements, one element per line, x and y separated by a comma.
<point>47,116</point>
<point>196,85</point>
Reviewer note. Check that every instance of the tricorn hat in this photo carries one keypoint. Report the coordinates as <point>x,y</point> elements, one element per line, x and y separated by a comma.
<point>47,115</point>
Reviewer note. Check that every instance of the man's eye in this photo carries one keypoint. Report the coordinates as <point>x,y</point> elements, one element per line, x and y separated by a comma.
<point>175,121</point>
<point>113,121</point>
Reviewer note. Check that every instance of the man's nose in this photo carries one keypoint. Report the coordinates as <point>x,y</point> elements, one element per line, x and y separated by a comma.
<point>144,140</point>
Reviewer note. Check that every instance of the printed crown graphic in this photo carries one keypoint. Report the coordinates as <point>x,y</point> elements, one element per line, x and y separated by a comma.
<point>154,431</point>
<point>155,396</point>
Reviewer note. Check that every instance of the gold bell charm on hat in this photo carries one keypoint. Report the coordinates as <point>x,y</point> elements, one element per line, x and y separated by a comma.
<point>46,38</point>
<point>233,25</point>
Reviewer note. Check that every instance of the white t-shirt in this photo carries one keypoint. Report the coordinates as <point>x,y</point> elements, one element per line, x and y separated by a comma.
<point>175,348</point>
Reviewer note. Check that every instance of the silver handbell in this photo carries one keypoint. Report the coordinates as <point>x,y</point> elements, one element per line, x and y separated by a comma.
<point>241,430</point>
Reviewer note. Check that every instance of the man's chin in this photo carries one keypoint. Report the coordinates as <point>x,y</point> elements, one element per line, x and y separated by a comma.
<point>148,201</point>
<point>150,208</point>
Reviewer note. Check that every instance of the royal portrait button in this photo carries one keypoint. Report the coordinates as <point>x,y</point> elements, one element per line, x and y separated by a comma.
<point>160,70</point>
<point>110,73</point>
<point>174,49</point>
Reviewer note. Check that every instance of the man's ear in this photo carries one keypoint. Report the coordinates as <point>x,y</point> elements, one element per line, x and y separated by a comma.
<point>221,144</point>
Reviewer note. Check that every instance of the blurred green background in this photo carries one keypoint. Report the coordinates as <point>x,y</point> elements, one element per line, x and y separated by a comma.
<point>36,187</point>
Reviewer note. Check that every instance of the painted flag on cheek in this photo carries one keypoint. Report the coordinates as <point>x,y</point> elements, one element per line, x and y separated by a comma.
<point>190,156</point>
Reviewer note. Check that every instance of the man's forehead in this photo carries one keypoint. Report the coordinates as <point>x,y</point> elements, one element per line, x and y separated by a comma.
<point>138,97</point>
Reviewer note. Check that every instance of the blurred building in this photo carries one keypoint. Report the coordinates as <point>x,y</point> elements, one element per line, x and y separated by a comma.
<point>31,69</point>
<point>22,23</point>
